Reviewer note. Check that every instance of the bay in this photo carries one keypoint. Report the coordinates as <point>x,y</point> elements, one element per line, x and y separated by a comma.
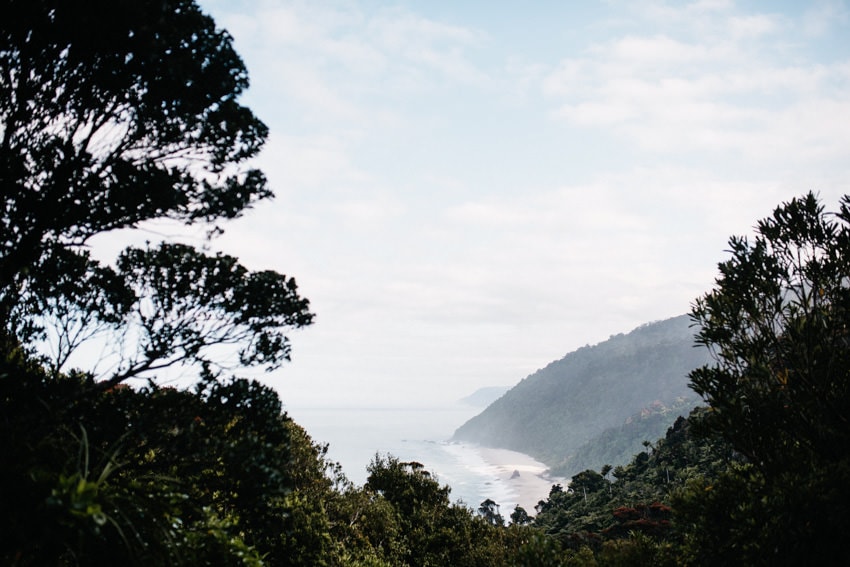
<point>355,435</point>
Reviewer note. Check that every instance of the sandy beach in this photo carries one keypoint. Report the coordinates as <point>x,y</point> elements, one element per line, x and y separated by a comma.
<point>531,485</point>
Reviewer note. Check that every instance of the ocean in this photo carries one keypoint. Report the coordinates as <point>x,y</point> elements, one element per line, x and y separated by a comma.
<point>355,435</point>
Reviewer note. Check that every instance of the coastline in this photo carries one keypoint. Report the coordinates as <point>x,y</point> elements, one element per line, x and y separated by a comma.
<point>529,487</point>
<point>473,472</point>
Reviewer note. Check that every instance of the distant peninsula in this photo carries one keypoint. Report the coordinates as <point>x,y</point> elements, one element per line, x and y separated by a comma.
<point>598,404</point>
<point>483,397</point>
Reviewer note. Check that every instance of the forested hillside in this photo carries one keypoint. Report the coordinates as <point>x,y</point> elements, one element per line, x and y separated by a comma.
<point>617,445</point>
<point>627,389</point>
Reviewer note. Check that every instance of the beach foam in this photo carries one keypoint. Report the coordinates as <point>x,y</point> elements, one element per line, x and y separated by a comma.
<point>530,485</point>
<point>507,477</point>
<point>474,473</point>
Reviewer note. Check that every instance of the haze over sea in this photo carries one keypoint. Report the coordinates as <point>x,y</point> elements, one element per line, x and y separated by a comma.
<point>423,435</point>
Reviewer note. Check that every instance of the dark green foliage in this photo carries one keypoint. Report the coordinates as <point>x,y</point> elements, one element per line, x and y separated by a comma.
<point>155,476</point>
<point>213,476</point>
<point>540,551</point>
<point>760,476</point>
<point>431,530</point>
<point>779,392</point>
<point>638,549</point>
<point>777,326</point>
<point>164,306</point>
<point>489,510</point>
<point>113,114</point>
<point>558,413</point>
<point>619,444</point>
<point>596,508</point>
<point>520,516</point>
<point>186,302</point>
<point>76,299</point>
<point>587,481</point>
<point>407,486</point>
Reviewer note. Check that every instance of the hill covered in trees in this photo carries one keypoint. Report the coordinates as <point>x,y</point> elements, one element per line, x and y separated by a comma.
<point>599,403</point>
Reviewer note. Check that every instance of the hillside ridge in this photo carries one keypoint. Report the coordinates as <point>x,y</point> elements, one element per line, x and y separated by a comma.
<point>564,406</point>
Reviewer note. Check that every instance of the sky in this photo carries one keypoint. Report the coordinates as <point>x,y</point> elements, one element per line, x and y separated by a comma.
<point>467,191</point>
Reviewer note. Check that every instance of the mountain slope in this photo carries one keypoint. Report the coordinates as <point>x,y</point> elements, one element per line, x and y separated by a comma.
<point>618,445</point>
<point>570,402</point>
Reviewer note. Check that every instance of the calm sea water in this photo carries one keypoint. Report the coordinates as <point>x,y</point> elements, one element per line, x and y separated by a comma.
<point>355,435</point>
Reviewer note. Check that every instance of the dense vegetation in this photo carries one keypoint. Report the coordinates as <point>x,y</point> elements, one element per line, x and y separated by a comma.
<point>112,114</point>
<point>216,475</point>
<point>617,445</point>
<point>627,514</point>
<point>774,487</point>
<point>598,404</point>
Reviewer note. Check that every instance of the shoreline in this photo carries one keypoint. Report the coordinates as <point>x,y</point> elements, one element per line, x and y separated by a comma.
<point>529,486</point>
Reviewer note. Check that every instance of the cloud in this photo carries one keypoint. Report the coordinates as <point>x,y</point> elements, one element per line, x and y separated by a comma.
<point>336,59</point>
<point>753,27</point>
<point>717,92</point>
<point>641,52</point>
<point>821,18</point>
<point>461,210</point>
<point>369,213</point>
<point>423,42</point>
<point>308,162</point>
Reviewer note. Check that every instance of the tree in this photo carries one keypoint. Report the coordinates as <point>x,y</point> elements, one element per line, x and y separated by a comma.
<point>777,326</point>
<point>778,392</point>
<point>407,485</point>
<point>489,510</point>
<point>149,476</point>
<point>429,530</point>
<point>587,482</point>
<point>520,517</point>
<point>104,130</point>
<point>113,114</point>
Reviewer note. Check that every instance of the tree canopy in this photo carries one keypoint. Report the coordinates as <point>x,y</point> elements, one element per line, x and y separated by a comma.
<point>113,114</point>
<point>760,476</point>
<point>779,391</point>
<point>777,325</point>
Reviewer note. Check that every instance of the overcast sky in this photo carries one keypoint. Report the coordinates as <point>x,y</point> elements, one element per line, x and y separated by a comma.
<point>467,191</point>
